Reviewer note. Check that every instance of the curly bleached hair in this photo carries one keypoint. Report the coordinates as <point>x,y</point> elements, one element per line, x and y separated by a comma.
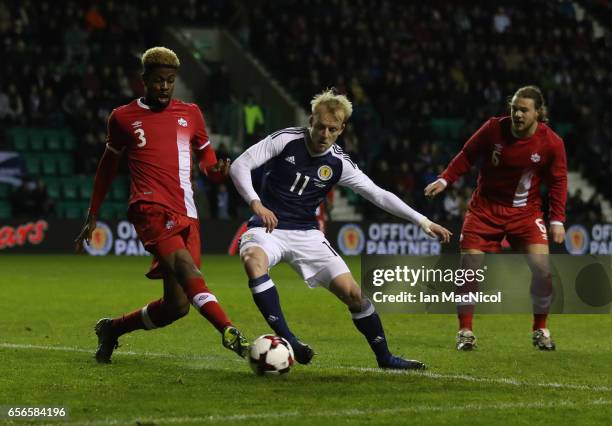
<point>333,101</point>
<point>159,57</point>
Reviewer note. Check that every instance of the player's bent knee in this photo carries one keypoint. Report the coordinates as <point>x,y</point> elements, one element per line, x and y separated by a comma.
<point>185,268</point>
<point>347,290</point>
<point>255,261</point>
<point>176,311</point>
<point>180,310</point>
<point>355,301</point>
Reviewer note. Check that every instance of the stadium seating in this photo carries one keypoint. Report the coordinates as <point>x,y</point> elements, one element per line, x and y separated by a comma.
<point>48,153</point>
<point>5,209</point>
<point>429,71</point>
<point>5,190</point>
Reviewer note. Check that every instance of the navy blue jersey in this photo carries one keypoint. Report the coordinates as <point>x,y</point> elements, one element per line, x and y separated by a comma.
<point>294,181</point>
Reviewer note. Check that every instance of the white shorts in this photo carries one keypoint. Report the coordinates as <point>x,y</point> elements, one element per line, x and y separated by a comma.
<point>308,252</point>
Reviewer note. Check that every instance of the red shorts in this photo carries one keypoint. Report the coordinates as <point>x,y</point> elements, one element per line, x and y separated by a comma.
<point>486,224</point>
<point>163,232</point>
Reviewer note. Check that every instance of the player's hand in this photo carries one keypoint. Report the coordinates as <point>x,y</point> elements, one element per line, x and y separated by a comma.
<point>436,231</point>
<point>557,231</point>
<point>267,216</point>
<point>222,167</point>
<point>435,188</point>
<point>218,173</point>
<point>86,232</point>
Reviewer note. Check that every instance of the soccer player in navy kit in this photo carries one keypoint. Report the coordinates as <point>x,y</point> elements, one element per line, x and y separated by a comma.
<point>301,165</point>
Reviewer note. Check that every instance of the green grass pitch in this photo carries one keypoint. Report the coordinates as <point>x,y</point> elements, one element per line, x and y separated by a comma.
<point>182,375</point>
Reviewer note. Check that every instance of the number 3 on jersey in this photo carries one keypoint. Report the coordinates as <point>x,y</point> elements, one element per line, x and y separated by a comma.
<point>298,175</point>
<point>141,136</point>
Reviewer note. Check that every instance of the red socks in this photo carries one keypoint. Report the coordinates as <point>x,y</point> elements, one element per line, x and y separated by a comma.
<point>152,316</point>
<point>465,320</point>
<point>539,321</point>
<point>128,323</point>
<point>155,315</point>
<point>206,302</point>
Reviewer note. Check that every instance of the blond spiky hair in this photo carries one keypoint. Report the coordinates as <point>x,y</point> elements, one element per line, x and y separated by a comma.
<point>159,56</point>
<point>333,102</point>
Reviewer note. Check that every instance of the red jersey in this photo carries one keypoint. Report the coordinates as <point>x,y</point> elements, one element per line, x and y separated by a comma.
<point>512,169</point>
<point>159,147</point>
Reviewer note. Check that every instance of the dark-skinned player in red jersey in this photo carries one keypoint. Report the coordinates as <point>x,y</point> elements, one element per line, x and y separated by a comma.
<point>159,135</point>
<point>518,153</point>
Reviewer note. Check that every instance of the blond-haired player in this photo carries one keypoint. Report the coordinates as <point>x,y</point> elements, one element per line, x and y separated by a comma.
<point>160,135</point>
<point>301,165</point>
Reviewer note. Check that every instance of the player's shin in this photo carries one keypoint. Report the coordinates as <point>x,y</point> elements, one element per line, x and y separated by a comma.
<point>267,300</point>
<point>541,297</point>
<point>152,315</point>
<point>368,323</point>
<point>128,323</point>
<point>465,310</point>
<point>206,303</point>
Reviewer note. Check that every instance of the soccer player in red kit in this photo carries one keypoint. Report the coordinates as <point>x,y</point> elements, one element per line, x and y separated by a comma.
<point>159,135</point>
<point>518,153</point>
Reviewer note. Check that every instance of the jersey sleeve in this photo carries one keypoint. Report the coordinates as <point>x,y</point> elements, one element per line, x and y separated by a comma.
<point>255,156</point>
<point>352,177</point>
<point>200,138</point>
<point>471,151</point>
<point>203,149</point>
<point>116,139</point>
<point>557,182</point>
<point>109,163</point>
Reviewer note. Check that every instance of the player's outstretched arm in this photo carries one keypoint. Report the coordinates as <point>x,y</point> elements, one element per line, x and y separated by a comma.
<point>215,170</point>
<point>107,170</point>
<point>435,188</point>
<point>436,231</point>
<point>219,172</point>
<point>389,202</point>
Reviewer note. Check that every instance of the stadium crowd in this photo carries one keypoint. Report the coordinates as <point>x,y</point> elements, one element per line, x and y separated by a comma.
<point>406,67</point>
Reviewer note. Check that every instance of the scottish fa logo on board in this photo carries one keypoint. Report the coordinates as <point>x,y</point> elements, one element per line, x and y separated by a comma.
<point>577,240</point>
<point>351,240</point>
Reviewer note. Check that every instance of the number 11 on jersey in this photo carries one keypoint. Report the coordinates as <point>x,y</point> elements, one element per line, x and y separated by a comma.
<point>297,179</point>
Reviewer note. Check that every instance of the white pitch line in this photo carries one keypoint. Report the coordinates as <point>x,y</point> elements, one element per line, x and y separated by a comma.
<point>426,374</point>
<point>119,352</point>
<point>347,414</point>
<point>499,381</point>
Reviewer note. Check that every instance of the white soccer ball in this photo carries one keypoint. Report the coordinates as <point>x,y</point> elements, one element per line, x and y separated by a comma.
<point>270,354</point>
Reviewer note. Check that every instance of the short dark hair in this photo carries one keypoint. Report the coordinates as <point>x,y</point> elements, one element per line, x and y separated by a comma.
<point>533,92</point>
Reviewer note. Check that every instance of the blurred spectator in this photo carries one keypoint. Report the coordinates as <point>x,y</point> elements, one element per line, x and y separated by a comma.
<point>452,205</point>
<point>31,200</point>
<point>74,103</point>
<point>501,21</point>
<point>223,200</point>
<point>403,64</point>
<point>220,99</point>
<point>594,209</point>
<point>34,103</point>
<point>94,19</point>
<point>5,108</point>
<point>253,121</point>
